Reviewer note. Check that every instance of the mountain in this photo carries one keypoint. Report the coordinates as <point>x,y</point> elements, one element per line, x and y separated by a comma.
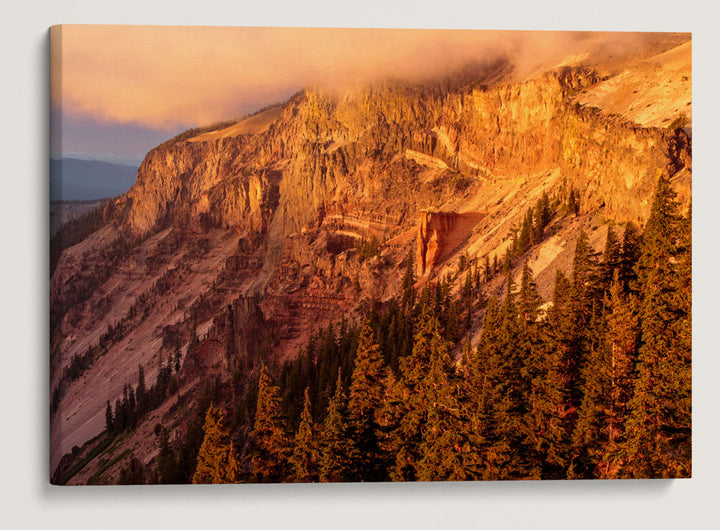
<point>237,246</point>
<point>72,179</point>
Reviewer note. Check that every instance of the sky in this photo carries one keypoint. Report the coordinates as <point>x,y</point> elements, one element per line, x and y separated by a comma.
<point>118,91</point>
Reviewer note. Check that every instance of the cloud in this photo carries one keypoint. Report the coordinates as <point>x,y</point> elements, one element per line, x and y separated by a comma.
<point>164,77</point>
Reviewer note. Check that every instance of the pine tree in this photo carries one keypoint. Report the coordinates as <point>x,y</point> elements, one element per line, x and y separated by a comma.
<point>132,474</point>
<point>622,341</point>
<point>543,215</point>
<point>272,447</point>
<point>508,393</point>
<point>611,258</point>
<point>365,400</point>
<point>584,302</point>
<point>630,250</point>
<point>412,403</point>
<point>445,441</point>
<point>543,440</point>
<point>526,233</point>
<point>338,451</point>
<point>167,461</point>
<point>590,435</point>
<point>658,431</point>
<point>467,289</point>
<point>132,407</point>
<point>388,420</point>
<point>573,202</point>
<point>109,421</point>
<point>141,394</point>
<point>408,284</point>
<point>462,262</point>
<point>545,432</point>
<point>216,461</point>
<point>177,357</point>
<point>478,381</point>
<point>529,300</point>
<point>305,457</point>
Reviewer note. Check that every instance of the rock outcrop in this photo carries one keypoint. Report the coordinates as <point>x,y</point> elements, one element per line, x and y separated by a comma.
<point>439,233</point>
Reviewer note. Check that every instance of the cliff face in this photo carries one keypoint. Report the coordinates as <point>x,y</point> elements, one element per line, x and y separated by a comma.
<point>412,147</point>
<point>195,183</point>
<point>532,127</point>
<point>304,215</point>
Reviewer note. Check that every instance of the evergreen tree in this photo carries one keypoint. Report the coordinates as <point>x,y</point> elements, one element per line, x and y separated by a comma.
<point>658,431</point>
<point>526,233</point>
<point>611,258</point>
<point>109,421</point>
<point>573,202</point>
<point>543,434</point>
<point>590,435</point>
<point>338,451</point>
<point>529,300</point>
<point>133,474</point>
<point>544,428</point>
<point>365,400</point>
<point>141,394</point>
<point>591,431</point>
<point>414,368</point>
<point>543,215</point>
<point>622,341</point>
<point>118,416</point>
<point>630,250</point>
<point>167,461</point>
<point>216,461</point>
<point>305,457</point>
<point>445,441</point>
<point>462,262</point>
<point>388,420</point>
<point>177,358</point>
<point>506,392</point>
<point>272,446</point>
<point>408,284</point>
<point>132,408</point>
<point>580,331</point>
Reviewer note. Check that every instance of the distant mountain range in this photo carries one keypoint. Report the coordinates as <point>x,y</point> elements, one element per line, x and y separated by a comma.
<point>81,180</point>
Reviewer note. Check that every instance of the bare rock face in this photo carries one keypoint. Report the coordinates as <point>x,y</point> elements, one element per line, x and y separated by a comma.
<point>439,233</point>
<point>409,146</point>
<point>531,127</point>
<point>201,184</point>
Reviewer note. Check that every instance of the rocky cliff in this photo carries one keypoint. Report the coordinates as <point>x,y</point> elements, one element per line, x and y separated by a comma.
<point>411,146</point>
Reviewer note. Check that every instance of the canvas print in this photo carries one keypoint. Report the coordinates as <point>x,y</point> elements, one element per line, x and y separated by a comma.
<point>361,255</point>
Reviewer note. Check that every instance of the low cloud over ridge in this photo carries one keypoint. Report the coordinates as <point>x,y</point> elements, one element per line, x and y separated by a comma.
<point>165,77</point>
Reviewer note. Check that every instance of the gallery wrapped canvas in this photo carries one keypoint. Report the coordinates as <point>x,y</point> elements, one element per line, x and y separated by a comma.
<point>362,255</point>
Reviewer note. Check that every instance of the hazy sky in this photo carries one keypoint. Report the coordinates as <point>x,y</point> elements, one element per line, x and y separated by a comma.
<point>121,90</point>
